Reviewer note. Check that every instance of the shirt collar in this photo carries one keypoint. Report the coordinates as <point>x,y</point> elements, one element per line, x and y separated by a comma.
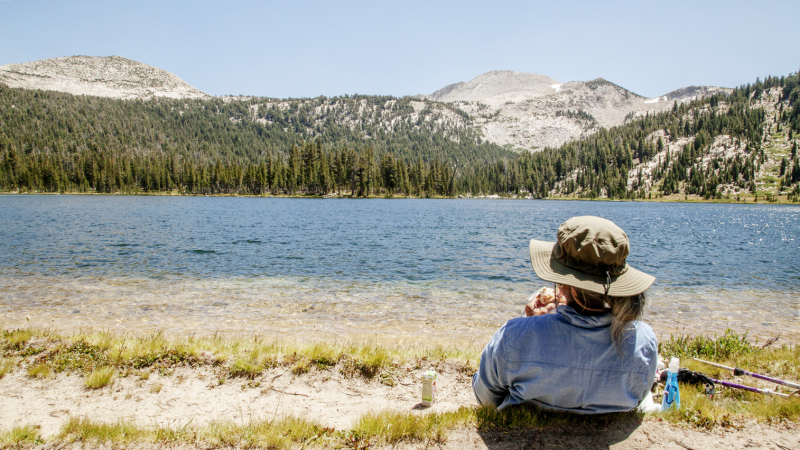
<point>569,315</point>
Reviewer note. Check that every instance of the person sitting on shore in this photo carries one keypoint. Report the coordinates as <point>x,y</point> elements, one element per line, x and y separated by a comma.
<point>592,355</point>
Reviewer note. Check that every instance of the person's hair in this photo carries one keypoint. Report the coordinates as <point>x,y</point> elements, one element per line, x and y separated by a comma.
<point>624,310</point>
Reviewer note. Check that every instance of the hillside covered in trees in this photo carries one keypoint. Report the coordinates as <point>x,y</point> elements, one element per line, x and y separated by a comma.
<point>722,145</point>
<point>59,142</point>
<point>737,144</point>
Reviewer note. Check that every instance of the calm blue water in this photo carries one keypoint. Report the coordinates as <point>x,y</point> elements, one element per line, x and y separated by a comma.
<point>441,267</point>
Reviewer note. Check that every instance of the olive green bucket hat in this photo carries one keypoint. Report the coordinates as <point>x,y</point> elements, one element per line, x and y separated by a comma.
<point>590,254</point>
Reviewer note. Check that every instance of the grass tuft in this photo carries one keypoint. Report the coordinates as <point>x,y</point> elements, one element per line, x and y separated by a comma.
<point>99,377</point>
<point>374,360</point>
<point>21,435</point>
<point>300,367</point>
<point>248,369</point>
<point>155,388</point>
<point>165,435</point>
<point>82,429</point>
<point>277,434</point>
<point>324,354</point>
<point>6,366</point>
<point>392,427</point>
<point>17,338</point>
<point>722,347</point>
<point>367,360</point>
<point>41,370</point>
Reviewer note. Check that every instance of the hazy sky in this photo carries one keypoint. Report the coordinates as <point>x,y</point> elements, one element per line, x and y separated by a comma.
<point>296,48</point>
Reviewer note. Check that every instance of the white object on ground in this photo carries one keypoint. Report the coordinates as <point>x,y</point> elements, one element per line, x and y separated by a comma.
<point>648,405</point>
<point>429,387</point>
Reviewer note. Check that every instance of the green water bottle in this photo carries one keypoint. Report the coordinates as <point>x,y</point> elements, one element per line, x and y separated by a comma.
<point>429,387</point>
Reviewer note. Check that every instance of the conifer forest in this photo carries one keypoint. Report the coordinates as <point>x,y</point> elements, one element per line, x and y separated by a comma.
<point>373,146</point>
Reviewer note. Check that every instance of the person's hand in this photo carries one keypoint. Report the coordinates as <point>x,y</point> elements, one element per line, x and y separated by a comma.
<point>535,307</point>
<point>543,301</point>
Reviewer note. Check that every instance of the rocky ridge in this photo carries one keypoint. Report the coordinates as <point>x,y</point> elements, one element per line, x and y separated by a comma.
<point>112,76</point>
<point>520,111</point>
<point>527,111</point>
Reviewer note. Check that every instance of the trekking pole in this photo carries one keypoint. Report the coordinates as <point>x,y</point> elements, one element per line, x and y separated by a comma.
<point>749,388</point>
<point>691,377</point>
<point>737,372</point>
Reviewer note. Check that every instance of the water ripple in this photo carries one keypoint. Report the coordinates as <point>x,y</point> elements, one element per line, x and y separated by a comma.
<point>145,263</point>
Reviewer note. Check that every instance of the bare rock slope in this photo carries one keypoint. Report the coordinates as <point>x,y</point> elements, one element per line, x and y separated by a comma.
<point>528,111</point>
<point>496,83</point>
<point>113,76</point>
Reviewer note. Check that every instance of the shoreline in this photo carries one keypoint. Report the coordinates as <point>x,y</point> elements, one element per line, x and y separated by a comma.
<point>675,198</point>
<point>199,392</point>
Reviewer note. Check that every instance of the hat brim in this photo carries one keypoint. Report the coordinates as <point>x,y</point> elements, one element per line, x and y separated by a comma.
<point>548,268</point>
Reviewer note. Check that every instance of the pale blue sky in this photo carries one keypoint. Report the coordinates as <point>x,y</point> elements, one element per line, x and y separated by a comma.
<point>311,48</point>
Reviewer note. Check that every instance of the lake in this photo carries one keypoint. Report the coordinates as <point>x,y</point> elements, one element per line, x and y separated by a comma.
<point>439,269</point>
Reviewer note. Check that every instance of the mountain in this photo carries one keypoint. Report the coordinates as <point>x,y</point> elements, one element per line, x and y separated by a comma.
<point>704,143</point>
<point>518,111</point>
<point>529,111</point>
<point>689,93</point>
<point>112,77</point>
<point>498,82</point>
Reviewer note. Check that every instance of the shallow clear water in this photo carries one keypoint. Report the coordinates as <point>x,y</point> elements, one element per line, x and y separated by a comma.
<point>439,268</point>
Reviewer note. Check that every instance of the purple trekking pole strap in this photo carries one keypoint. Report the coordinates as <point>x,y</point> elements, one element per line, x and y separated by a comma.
<point>738,372</point>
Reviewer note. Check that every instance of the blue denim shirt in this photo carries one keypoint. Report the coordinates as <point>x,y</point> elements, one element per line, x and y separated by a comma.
<point>566,361</point>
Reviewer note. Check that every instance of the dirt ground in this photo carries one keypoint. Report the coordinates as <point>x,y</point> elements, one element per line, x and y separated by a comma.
<point>649,434</point>
<point>196,397</point>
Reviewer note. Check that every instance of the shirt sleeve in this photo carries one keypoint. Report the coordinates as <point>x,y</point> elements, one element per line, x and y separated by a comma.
<point>489,382</point>
<point>652,353</point>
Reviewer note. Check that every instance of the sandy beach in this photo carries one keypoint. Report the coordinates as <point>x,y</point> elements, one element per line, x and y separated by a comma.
<point>193,397</point>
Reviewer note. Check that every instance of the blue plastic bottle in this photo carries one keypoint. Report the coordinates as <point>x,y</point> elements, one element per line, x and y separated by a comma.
<point>672,395</point>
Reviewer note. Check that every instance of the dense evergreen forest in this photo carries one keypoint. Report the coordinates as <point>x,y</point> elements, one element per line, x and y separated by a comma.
<point>384,146</point>
<point>610,163</point>
<point>372,145</point>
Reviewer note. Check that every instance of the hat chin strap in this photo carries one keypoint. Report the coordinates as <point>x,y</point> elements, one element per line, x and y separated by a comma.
<point>586,308</point>
<point>605,300</point>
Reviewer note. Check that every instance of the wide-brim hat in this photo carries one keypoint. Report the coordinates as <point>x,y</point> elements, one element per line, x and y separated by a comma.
<point>590,254</point>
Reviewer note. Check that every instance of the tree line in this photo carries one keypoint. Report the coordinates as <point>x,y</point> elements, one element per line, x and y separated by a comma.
<point>368,146</point>
<point>309,169</point>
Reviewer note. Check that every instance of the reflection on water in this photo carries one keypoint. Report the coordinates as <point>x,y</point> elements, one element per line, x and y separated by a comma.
<point>442,269</point>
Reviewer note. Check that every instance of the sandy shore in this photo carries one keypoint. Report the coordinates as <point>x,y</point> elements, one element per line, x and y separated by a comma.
<point>195,397</point>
